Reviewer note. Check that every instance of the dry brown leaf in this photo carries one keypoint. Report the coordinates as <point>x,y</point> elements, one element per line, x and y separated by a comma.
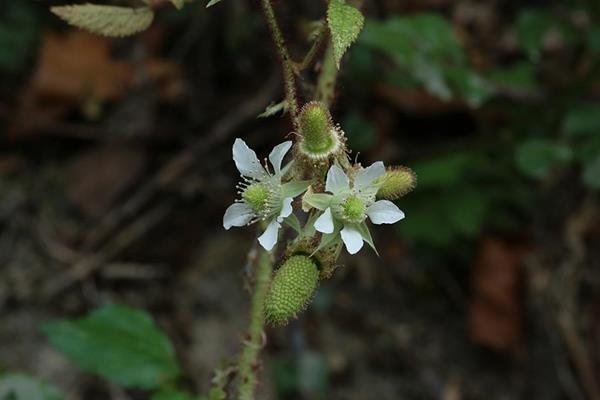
<point>97,177</point>
<point>497,310</point>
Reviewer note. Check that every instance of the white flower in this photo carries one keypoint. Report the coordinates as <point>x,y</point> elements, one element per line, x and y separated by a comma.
<point>348,207</point>
<point>262,194</point>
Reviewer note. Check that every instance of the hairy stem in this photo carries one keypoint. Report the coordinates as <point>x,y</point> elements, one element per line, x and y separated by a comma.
<point>248,362</point>
<point>286,61</point>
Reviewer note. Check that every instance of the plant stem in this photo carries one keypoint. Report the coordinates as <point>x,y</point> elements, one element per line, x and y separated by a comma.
<point>286,62</point>
<point>312,52</point>
<point>248,362</point>
<point>325,91</point>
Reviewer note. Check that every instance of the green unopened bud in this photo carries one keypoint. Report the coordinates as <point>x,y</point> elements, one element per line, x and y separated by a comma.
<point>319,138</point>
<point>291,289</point>
<point>396,182</point>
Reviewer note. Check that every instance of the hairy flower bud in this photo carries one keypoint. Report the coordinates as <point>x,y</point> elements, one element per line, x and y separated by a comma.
<point>396,182</point>
<point>291,289</point>
<point>319,138</point>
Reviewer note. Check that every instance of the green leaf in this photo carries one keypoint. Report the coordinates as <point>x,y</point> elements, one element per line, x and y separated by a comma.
<point>532,26</point>
<point>273,109</point>
<point>345,23</point>
<point>445,171</point>
<point>212,3</point>
<point>537,157</point>
<point>584,119</point>
<point>23,387</point>
<point>427,52</point>
<point>118,343</point>
<point>172,394</point>
<point>112,21</point>
<point>520,76</point>
<point>591,173</point>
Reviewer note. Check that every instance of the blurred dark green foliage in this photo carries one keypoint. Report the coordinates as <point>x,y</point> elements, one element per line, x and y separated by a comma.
<point>19,31</point>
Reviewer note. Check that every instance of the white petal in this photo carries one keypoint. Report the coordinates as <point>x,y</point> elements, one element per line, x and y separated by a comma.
<point>366,176</point>
<point>324,223</point>
<point>337,180</point>
<point>277,154</point>
<point>384,212</point>
<point>352,239</point>
<point>237,214</point>
<point>246,161</point>
<point>286,209</point>
<point>268,239</point>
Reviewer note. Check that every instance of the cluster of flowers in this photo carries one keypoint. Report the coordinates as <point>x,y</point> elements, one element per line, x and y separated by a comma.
<point>339,209</point>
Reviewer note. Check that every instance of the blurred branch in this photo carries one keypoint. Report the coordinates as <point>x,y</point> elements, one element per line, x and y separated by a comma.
<point>325,91</point>
<point>248,362</point>
<point>289,76</point>
<point>313,51</point>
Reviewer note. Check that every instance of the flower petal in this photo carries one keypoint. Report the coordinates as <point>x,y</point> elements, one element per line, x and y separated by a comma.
<point>277,154</point>
<point>237,214</point>
<point>246,161</point>
<point>366,176</point>
<point>352,239</point>
<point>337,180</point>
<point>268,239</point>
<point>286,209</point>
<point>384,212</point>
<point>324,223</point>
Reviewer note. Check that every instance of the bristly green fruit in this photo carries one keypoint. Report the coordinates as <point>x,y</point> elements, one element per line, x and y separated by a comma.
<point>396,182</point>
<point>319,138</point>
<point>291,290</point>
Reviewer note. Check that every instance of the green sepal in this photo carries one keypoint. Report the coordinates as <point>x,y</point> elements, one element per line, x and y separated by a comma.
<point>294,188</point>
<point>363,229</point>
<point>320,201</point>
<point>294,223</point>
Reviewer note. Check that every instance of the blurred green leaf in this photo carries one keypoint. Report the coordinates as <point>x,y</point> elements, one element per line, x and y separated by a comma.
<point>584,119</point>
<point>172,394</point>
<point>119,343</point>
<point>312,372</point>
<point>533,25</point>
<point>520,76</point>
<point>594,39</point>
<point>23,387</point>
<point>425,46</point>
<point>18,34</point>
<point>361,133</point>
<point>536,157</point>
<point>444,171</point>
<point>469,85</point>
<point>591,173</point>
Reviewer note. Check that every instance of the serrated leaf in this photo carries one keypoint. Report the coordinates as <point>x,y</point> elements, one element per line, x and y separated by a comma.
<point>118,343</point>
<point>212,3</point>
<point>112,21</point>
<point>23,387</point>
<point>345,23</point>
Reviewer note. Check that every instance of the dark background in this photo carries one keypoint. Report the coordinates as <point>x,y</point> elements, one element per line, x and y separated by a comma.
<point>115,171</point>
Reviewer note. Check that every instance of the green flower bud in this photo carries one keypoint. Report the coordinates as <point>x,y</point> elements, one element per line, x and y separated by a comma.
<point>291,289</point>
<point>396,182</point>
<point>319,138</point>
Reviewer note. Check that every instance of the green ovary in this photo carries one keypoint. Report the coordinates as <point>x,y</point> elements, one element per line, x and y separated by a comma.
<point>256,196</point>
<point>354,209</point>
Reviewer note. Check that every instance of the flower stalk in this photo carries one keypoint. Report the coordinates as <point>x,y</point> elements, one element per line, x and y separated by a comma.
<point>248,361</point>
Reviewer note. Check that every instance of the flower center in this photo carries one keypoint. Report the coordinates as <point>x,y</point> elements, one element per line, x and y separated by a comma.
<point>257,196</point>
<point>353,209</point>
